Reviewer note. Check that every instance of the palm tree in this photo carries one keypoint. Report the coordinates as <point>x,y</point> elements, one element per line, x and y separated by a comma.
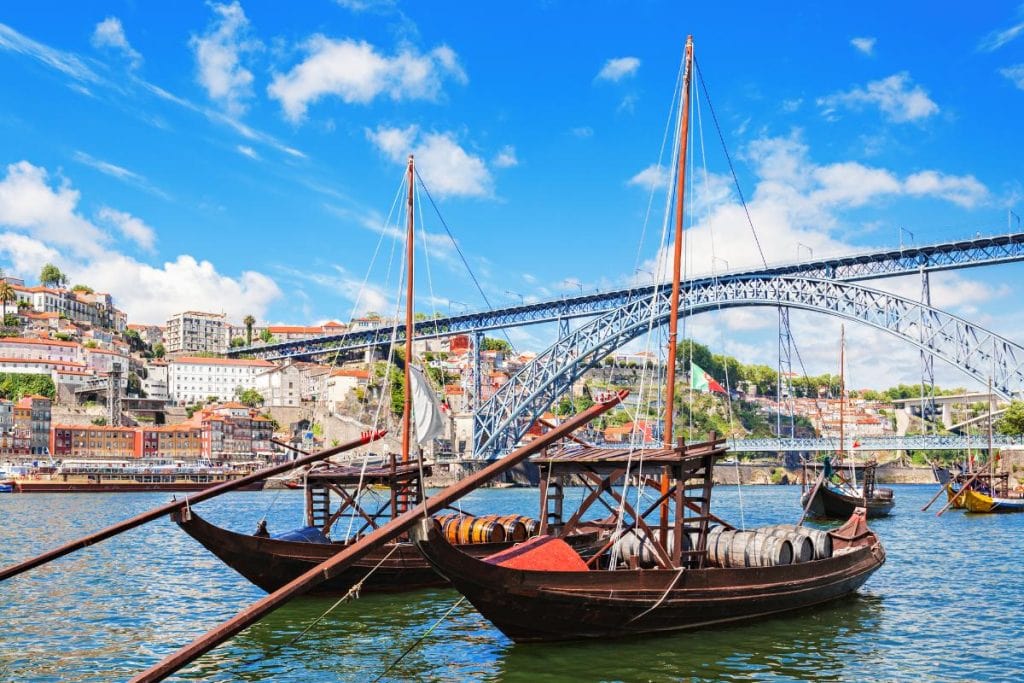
<point>7,295</point>
<point>249,322</point>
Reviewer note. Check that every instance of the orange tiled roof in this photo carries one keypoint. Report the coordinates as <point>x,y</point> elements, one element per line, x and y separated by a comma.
<point>36,340</point>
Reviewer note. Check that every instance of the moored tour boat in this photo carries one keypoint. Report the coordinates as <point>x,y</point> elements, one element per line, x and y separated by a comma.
<point>122,476</point>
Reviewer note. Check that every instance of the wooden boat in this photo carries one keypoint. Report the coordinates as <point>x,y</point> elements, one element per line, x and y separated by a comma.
<point>272,561</point>
<point>975,501</point>
<point>335,498</point>
<point>543,591</point>
<point>663,568</point>
<point>835,496</point>
<point>838,501</point>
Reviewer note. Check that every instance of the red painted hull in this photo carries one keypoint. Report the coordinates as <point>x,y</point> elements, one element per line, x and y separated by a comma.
<point>532,606</point>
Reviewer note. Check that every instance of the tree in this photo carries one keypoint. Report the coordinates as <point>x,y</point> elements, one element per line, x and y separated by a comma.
<point>51,275</point>
<point>491,344</point>
<point>248,321</point>
<point>85,289</point>
<point>249,397</point>
<point>265,336</point>
<point>237,343</point>
<point>7,296</point>
<point>158,350</point>
<point>1012,421</point>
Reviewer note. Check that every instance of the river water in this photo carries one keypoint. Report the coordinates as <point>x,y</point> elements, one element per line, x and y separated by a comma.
<point>946,606</point>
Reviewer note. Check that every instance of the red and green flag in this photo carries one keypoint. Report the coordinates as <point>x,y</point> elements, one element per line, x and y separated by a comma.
<point>702,381</point>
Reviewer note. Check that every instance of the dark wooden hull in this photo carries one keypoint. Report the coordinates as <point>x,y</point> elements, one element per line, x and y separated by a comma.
<point>271,563</point>
<point>830,504</point>
<point>532,606</point>
<point>56,486</point>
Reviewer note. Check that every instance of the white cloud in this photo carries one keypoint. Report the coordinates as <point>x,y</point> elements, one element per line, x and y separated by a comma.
<point>131,227</point>
<point>367,5</point>
<point>64,62</point>
<point>965,191</point>
<point>247,151</point>
<point>865,45</point>
<point>651,178</point>
<point>357,73</point>
<point>996,39</point>
<point>1015,73</point>
<point>615,70</point>
<point>43,225</point>
<point>218,55</point>
<point>110,33</point>
<point>120,172</point>
<point>30,205</point>
<point>447,169</point>
<point>895,96</point>
<point>506,157</point>
<point>582,132</point>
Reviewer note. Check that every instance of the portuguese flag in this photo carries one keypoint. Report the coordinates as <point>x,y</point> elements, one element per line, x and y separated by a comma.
<point>702,381</point>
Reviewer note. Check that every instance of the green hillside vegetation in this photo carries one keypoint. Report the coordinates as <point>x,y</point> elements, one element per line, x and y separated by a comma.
<point>14,385</point>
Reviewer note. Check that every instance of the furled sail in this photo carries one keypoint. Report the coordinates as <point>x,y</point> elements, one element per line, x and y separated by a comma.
<point>426,410</point>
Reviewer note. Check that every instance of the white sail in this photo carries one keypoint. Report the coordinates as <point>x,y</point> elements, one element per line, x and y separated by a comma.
<point>426,411</point>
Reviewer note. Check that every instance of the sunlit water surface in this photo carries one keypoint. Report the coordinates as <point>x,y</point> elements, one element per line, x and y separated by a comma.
<point>947,605</point>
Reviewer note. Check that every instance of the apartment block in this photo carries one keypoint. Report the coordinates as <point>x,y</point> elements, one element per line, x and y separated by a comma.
<point>196,332</point>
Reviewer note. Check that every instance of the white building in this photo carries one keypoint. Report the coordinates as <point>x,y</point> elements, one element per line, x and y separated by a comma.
<point>280,386</point>
<point>32,348</point>
<point>194,332</point>
<point>191,379</point>
<point>343,381</point>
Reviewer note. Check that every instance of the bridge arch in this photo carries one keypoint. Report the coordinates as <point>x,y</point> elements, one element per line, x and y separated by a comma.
<point>503,419</point>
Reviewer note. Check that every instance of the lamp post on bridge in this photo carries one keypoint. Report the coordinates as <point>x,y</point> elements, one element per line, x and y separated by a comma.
<point>522,301</point>
<point>810,251</point>
<point>904,230</point>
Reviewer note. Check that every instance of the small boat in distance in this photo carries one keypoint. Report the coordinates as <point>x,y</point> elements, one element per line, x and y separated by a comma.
<point>834,495</point>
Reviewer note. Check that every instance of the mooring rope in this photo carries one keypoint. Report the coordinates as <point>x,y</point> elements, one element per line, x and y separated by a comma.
<point>351,594</point>
<point>420,639</point>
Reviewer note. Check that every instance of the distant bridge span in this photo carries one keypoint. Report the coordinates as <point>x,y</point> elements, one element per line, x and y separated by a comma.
<point>504,418</point>
<point>969,253</point>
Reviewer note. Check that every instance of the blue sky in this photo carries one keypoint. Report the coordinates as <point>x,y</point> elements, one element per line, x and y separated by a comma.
<point>245,156</point>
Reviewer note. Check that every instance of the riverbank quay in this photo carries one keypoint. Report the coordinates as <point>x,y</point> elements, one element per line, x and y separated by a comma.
<point>110,610</point>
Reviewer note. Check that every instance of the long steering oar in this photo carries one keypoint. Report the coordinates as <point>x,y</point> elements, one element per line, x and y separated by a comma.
<point>810,497</point>
<point>962,491</point>
<point>333,566</point>
<point>942,489</point>
<point>85,541</point>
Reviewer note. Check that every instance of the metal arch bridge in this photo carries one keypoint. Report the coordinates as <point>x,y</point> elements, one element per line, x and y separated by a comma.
<point>974,252</point>
<point>504,418</point>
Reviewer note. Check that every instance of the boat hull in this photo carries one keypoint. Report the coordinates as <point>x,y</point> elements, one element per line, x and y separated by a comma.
<point>975,501</point>
<point>833,505</point>
<point>271,563</point>
<point>534,606</point>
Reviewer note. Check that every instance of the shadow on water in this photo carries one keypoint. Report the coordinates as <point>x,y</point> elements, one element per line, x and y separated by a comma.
<point>814,644</point>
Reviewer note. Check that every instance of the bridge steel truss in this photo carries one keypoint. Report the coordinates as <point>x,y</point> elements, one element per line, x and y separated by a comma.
<point>869,265</point>
<point>504,418</point>
<point>868,444</point>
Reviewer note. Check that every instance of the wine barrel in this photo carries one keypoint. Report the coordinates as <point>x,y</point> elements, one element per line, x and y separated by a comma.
<point>821,539</point>
<point>515,529</point>
<point>467,529</point>
<point>803,546</point>
<point>765,550</point>
<point>637,543</point>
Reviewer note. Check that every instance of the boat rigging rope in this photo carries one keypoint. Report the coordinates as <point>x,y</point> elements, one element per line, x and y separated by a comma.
<point>714,275</point>
<point>351,594</point>
<point>679,575</point>
<point>459,252</point>
<point>750,222</point>
<point>420,639</point>
<point>659,277</point>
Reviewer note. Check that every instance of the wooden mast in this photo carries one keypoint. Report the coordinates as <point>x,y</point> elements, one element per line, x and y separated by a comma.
<point>677,258</point>
<point>410,239</point>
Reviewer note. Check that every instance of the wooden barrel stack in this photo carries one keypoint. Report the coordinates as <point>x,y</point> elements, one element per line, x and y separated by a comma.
<point>463,529</point>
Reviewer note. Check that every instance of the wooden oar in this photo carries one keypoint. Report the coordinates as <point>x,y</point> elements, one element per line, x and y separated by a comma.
<point>942,490</point>
<point>205,494</point>
<point>333,566</point>
<point>963,489</point>
<point>810,498</point>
